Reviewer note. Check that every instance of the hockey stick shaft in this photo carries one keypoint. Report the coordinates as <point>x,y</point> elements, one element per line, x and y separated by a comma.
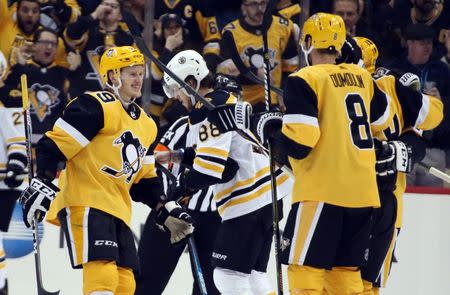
<point>436,172</point>
<point>191,243</point>
<point>30,166</point>
<point>273,179</point>
<point>140,43</point>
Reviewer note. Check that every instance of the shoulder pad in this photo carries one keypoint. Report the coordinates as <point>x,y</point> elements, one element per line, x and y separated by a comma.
<point>102,96</point>
<point>380,72</point>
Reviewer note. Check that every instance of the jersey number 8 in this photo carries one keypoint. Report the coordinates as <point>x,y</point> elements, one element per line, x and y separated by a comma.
<point>359,121</point>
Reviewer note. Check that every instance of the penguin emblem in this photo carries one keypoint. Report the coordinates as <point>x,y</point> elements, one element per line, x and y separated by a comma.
<point>255,57</point>
<point>132,153</point>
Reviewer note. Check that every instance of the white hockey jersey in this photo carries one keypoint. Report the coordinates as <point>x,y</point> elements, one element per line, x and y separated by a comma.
<point>12,136</point>
<point>179,137</point>
<point>250,189</point>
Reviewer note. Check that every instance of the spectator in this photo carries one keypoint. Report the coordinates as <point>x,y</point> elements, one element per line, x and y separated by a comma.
<point>17,32</point>
<point>92,35</point>
<point>434,76</point>
<point>47,82</point>
<point>201,24</point>
<point>428,12</point>
<point>351,11</point>
<point>242,49</point>
<point>173,39</point>
<point>291,10</point>
<point>56,14</point>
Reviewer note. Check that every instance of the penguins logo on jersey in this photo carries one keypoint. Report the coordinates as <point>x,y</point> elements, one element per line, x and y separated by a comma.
<point>255,57</point>
<point>132,153</point>
<point>43,98</point>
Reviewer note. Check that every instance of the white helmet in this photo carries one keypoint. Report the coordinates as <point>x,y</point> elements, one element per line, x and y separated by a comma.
<point>184,64</point>
<point>3,65</point>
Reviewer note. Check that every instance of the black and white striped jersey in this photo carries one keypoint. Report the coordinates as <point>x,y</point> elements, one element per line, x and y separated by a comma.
<point>179,137</point>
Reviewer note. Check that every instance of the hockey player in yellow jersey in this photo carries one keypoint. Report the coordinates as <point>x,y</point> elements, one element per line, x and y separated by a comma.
<point>104,139</point>
<point>241,178</point>
<point>413,111</point>
<point>331,113</point>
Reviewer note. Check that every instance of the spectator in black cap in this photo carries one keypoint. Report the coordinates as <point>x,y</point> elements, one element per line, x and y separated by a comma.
<point>432,13</point>
<point>434,77</point>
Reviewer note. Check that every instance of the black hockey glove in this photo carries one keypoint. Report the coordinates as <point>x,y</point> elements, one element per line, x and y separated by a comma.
<point>229,84</point>
<point>392,156</point>
<point>36,199</point>
<point>178,190</point>
<point>266,125</point>
<point>231,117</point>
<point>15,170</point>
<point>171,217</point>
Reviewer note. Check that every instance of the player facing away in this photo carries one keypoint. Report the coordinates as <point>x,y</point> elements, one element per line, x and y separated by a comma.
<point>331,112</point>
<point>104,139</point>
<point>401,146</point>
<point>242,183</point>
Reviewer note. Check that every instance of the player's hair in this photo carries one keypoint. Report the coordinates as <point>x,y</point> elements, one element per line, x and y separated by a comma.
<point>208,82</point>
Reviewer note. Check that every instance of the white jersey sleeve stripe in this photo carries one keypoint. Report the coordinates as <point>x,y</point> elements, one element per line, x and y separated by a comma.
<point>424,110</point>
<point>300,119</point>
<point>74,133</point>
<point>382,120</point>
<point>148,160</point>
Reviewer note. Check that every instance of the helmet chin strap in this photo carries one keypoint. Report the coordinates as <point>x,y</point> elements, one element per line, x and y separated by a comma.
<point>306,53</point>
<point>126,104</point>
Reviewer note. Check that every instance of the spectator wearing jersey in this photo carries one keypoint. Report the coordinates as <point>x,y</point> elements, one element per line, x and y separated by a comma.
<point>56,14</point>
<point>17,29</point>
<point>200,22</point>
<point>434,14</point>
<point>47,82</point>
<point>172,39</point>
<point>242,50</point>
<point>92,35</point>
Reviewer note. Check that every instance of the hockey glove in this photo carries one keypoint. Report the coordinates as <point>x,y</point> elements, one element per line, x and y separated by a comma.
<point>410,80</point>
<point>178,190</point>
<point>171,217</point>
<point>15,170</point>
<point>392,156</point>
<point>36,199</point>
<point>266,124</point>
<point>231,117</point>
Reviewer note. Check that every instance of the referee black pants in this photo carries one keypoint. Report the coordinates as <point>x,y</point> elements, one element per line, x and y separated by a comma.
<point>158,257</point>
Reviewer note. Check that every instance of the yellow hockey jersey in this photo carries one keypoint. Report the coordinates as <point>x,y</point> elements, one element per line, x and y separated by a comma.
<point>412,109</point>
<point>243,44</point>
<point>333,109</point>
<point>106,152</point>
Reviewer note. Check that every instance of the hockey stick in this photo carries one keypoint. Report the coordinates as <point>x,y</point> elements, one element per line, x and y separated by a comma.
<point>191,243</point>
<point>30,165</point>
<point>436,172</point>
<point>273,179</point>
<point>140,43</point>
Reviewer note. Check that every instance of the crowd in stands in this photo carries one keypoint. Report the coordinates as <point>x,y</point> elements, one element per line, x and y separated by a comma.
<point>58,43</point>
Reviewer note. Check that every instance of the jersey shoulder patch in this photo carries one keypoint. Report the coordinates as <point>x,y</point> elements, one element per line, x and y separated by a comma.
<point>102,96</point>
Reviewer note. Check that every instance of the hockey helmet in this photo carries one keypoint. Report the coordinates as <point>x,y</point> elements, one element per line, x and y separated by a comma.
<point>369,52</point>
<point>116,58</point>
<point>184,64</point>
<point>326,31</point>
